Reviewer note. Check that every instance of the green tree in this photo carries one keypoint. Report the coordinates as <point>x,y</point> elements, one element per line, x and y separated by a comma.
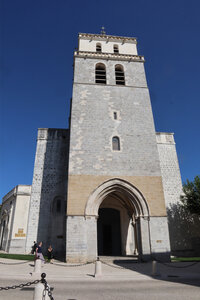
<point>191,197</point>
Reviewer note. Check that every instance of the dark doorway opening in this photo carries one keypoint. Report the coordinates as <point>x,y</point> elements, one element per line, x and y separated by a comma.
<point>108,232</point>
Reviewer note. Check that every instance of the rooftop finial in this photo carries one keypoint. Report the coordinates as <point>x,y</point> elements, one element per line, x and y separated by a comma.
<point>103,30</point>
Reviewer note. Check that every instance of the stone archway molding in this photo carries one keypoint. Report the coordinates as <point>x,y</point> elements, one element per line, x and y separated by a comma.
<point>117,185</point>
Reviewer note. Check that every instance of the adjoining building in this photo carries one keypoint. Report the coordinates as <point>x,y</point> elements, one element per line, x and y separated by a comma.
<point>14,219</point>
<point>101,187</point>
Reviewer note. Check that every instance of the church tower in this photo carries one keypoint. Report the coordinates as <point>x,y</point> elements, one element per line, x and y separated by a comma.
<point>115,199</point>
<point>101,186</point>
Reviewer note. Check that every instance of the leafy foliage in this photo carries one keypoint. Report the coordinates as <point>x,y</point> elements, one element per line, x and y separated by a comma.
<point>191,197</point>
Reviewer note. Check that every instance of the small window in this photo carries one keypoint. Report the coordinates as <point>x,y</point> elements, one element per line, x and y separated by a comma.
<point>119,75</point>
<point>100,74</point>
<point>98,47</point>
<point>116,49</point>
<point>115,143</point>
<point>115,115</point>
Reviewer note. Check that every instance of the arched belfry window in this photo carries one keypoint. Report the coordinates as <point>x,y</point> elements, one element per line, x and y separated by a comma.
<point>119,75</point>
<point>100,74</point>
<point>116,49</point>
<point>115,143</point>
<point>98,47</point>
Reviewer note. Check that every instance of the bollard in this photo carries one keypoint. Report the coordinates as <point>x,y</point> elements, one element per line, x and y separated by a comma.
<point>98,272</point>
<point>37,268</point>
<point>39,290</point>
<point>155,268</point>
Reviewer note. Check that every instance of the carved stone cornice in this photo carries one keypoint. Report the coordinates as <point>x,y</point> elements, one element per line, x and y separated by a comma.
<point>105,37</point>
<point>112,56</point>
<point>19,189</point>
<point>10,194</point>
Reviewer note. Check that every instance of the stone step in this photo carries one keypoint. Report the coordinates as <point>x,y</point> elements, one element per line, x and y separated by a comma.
<point>119,259</point>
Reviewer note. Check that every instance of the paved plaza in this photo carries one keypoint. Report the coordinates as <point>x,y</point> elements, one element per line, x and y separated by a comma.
<point>132,281</point>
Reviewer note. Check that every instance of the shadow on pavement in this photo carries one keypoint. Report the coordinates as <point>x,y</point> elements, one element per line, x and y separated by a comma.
<point>179,272</point>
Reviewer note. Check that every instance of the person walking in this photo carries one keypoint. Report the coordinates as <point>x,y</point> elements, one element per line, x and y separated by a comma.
<point>34,247</point>
<point>39,254</point>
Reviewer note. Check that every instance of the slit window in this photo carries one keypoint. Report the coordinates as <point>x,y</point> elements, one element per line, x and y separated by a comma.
<point>58,206</point>
<point>115,115</point>
<point>98,47</point>
<point>116,49</point>
<point>100,74</point>
<point>119,75</point>
<point>115,143</point>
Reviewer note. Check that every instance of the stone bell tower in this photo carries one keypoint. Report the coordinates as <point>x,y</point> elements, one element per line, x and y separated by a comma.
<point>115,201</point>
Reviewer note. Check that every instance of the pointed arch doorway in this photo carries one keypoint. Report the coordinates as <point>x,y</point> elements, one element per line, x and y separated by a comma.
<point>117,234</point>
<point>122,219</point>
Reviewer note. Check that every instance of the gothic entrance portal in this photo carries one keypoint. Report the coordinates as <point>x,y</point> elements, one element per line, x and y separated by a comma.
<point>122,220</point>
<point>117,232</point>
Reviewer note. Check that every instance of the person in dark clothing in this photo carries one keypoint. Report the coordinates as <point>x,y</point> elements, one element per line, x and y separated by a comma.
<point>34,247</point>
<point>50,254</point>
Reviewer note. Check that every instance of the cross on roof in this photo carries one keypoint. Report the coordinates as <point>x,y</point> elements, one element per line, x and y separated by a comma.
<point>103,30</point>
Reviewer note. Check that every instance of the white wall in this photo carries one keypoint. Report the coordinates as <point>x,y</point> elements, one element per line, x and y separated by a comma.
<point>21,217</point>
<point>15,210</point>
<point>107,47</point>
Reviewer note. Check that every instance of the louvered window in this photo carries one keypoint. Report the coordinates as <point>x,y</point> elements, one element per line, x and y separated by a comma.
<point>116,49</point>
<point>119,75</point>
<point>100,74</point>
<point>98,47</point>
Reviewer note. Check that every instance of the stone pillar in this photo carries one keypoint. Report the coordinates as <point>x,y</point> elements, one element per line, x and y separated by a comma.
<point>159,235</point>
<point>145,239</point>
<point>91,223</point>
<point>76,239</point>
<point>81,239</point>
<point>135,238</point>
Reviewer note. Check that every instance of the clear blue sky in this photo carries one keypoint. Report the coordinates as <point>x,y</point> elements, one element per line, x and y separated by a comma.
<point>37,43</point>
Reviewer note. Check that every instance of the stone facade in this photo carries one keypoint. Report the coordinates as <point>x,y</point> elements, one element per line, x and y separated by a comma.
<point>48,197</point>
<point>171,176</point>
<point>92,159</point>
<point>14,219</point>
<point>82,186</point>
<point>172,185</point>
<point>183,227</point>
<point>89,197</point>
